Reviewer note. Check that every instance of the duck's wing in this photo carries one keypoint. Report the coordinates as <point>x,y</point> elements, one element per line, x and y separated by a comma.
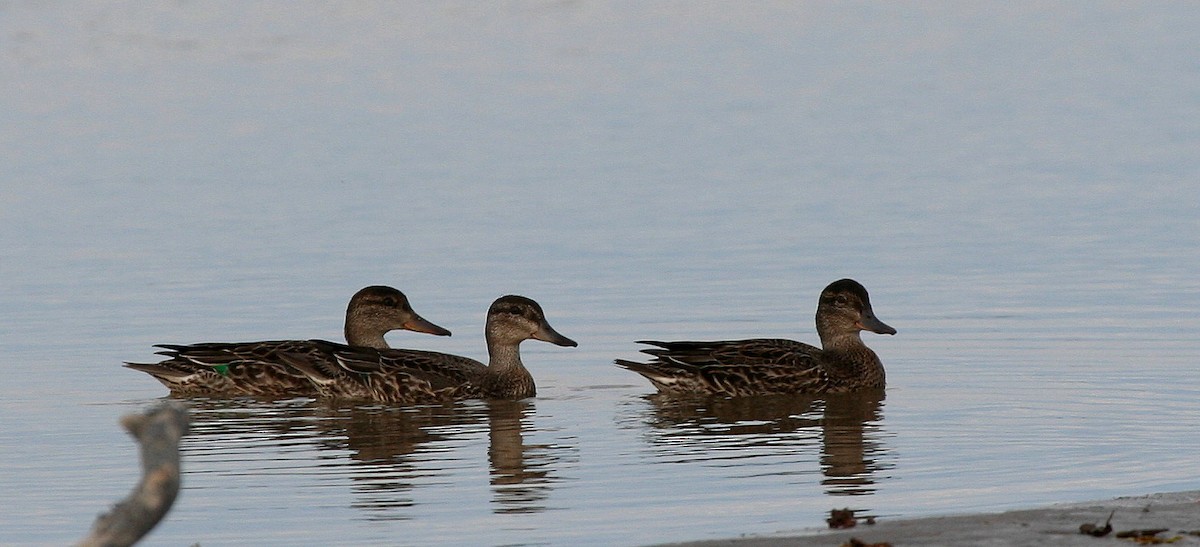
<point>391,375</point>
<point>232,368</point>
<point>736,367</point>
<point>226,353</point>
<point>752,352</point>
<point>187,379</point>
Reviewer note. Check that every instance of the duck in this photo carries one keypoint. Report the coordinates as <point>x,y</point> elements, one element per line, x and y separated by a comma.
<point>769,366</point>
<point>415,377</point>
<point>256,369</point>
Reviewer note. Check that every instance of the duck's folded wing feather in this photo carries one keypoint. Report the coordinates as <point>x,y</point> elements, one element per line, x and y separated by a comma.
<point>756,352</point>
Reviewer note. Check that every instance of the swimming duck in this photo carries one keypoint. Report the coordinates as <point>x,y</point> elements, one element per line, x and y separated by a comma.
<point>410,376</point>
<point>255,368</point>
<point>775,366</point>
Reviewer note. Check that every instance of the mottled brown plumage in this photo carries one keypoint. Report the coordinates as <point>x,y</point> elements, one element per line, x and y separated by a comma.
<point>257,368</point>
<point>409,376</point>
<point>764,366</point>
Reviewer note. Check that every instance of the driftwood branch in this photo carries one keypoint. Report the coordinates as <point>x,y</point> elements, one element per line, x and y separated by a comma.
<point>158,431</point>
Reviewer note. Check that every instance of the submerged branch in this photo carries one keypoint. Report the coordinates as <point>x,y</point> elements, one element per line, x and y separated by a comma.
<point>158,432</point>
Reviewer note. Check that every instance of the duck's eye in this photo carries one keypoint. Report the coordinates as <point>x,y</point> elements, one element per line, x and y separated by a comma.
<point>389,302</point>
<point>840,300</point>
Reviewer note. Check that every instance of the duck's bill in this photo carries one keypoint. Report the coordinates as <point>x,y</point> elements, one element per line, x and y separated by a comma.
<point>419,324</point>
<point>546,333</point>
<point>871,323</point>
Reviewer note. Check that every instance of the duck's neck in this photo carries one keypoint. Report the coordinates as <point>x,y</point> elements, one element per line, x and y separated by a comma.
<point>506,376</point>
<point>849,360</point>
<point>504,357</point>
<point>841,341</point>
<point>369,338</point>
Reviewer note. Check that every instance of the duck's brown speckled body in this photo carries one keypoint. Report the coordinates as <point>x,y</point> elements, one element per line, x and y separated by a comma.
<point>765,366</point>
<point>257,368</point>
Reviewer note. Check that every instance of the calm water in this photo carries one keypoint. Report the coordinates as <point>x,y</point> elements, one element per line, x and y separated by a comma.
<point>1016,186</point>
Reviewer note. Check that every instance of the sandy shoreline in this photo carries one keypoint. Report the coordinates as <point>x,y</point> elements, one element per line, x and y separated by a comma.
<point>1179,512</point>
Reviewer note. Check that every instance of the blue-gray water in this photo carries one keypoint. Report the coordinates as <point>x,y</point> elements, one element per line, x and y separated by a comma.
<point>1016,186</point>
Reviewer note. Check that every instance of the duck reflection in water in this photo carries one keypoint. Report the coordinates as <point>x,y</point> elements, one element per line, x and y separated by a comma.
<point>398,448</point>
<point>845,426</point>
<point>387,454</point>
<point>387,449</point>
<point>522,475</point>
<point>399,445</point>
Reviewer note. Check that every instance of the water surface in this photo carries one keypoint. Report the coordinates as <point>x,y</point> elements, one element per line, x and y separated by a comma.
<point>1015,186</point>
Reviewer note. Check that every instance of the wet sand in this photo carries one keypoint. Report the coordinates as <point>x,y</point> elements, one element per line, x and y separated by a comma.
<point>1178,512</point>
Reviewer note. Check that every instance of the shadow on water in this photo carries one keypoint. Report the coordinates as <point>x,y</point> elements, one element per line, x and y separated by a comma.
<point>385,454</point>
<point>780,432</point>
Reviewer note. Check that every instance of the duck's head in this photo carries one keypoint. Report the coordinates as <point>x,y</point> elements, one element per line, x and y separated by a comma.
<point>845,308</point>
<point>513,319</point>
<point>375,310</point>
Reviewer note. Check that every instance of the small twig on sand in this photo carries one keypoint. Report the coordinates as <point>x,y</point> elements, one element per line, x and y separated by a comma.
<point>158,432</point>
